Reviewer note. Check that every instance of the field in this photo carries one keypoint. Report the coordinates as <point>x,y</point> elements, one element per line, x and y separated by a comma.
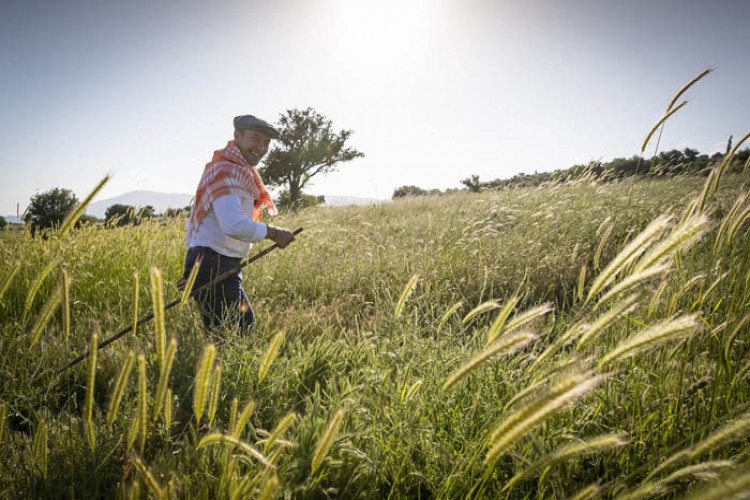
<point>582,340</point>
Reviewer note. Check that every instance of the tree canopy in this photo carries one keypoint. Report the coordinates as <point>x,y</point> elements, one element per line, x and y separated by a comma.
<point>122,215</point>
<point>307,147</point>
<point>49,209</point>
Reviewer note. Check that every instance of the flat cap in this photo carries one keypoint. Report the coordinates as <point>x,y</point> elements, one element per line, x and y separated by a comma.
<point>249,122</point>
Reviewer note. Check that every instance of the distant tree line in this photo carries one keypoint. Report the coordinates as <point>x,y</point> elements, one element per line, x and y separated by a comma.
<point>49,209</point>
<point>666,164</point>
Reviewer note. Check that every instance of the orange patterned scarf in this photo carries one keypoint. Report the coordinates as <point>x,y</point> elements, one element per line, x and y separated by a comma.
<point>229,173</point>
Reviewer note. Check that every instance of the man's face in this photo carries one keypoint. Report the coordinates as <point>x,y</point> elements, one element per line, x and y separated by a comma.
<point>253,144</point>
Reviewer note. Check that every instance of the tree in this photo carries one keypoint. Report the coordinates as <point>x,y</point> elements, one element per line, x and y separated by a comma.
<point>119,215</point>
<point>146,212</point>
<point>305,201</point>
<point>3,222</point>
<point>404,191</point>
<point>308,146</point>
<point>171,213</point>
<point>49,209</point>
<point>472,183</point>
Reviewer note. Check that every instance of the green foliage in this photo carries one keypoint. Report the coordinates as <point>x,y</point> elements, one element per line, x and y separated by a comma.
<point>177,212</point>
<point>119,215</point>
<point>49,209</point>
<point>273,419</point>
<point>404,191</point>
<point>3,222</point>
<point>472,183</point>
<point>308,146</point>
<point>304,201</point>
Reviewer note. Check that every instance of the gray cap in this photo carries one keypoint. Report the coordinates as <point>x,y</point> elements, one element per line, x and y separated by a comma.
<point>249,122</point>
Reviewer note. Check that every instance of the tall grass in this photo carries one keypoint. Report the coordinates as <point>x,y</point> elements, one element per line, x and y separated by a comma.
<point>500,369</point>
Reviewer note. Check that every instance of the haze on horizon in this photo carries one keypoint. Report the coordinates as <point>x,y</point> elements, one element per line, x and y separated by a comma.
<point>434,90</point>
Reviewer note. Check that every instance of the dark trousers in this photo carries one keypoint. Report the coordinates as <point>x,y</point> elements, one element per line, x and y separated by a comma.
<point>225,303</point>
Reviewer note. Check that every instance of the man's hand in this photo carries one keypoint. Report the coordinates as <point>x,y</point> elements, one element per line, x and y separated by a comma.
<point>280,236</point>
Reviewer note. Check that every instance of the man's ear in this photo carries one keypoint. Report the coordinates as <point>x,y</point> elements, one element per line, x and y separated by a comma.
<point>236,134</point>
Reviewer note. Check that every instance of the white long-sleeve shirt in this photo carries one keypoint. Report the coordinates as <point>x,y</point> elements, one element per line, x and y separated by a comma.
<point>228,227</point>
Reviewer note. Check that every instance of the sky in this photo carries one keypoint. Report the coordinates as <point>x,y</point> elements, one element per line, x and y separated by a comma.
<point>433,90</point>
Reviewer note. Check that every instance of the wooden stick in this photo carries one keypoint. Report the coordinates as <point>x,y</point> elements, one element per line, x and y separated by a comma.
<point>150,315</point>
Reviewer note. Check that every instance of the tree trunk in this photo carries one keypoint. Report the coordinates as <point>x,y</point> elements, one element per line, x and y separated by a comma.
<point>295,193</point>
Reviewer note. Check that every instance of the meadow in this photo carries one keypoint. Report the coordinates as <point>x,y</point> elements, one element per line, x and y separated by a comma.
<point>577,340</point>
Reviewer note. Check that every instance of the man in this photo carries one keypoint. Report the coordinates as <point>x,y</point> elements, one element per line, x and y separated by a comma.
<point>225,221</point>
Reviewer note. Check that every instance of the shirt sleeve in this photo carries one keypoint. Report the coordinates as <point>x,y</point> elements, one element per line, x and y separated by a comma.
<point>234,223</point>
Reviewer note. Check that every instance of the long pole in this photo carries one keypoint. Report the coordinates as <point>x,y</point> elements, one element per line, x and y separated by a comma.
<point>150,315</point>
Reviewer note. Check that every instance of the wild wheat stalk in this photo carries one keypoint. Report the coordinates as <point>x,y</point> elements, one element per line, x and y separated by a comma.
<point>634,280</point>
<point>119,388</point>
<point>736,223</point>
<point>168,410</point>
<point>527,316</point>
<point>157,298</point>
<point>528,417</point>
<point>727,160</point>
<point>132,432</point>
<point>156,490</point>
<point>3,416</point>
<point>40,448</point>
<point>727,220</point>
<point>233,408</point>
<point>161,386</point>
<point>444,319</point>
<point>663,119</point>
<point>680,239</point>
<point>631,251</point>
<point>581,283</point>
<point>408,289</point>
<point>685,87</point>
<point>213,401</point>
<point>31,294</point>
<point>608,227</point>
<point>270,355</point>
<point>589,492</point>
<point>735,486</point>
<point>279,430</point>
<point>481,308</point>
<point>269,488</point>
<point>325,442</point>
<point>134,493</point>
<point>569,335</point>
<point>66,282</point>
<point>71,219</point>
<point>218,438</point>
<point>142,402</point>
<point>598,444</point>
<point>9,279</point>
<point>48,310</point>
<point>623,306</point>
<point>135,301</point>
<point>413,389</point>
<point>703,471</point>
<point>730,432</point>
<point>651,337</point>
<point>202,381</point>
<point>90,388</point>
<point>191,281</point>
<point>499,323</point>
<point>505,345</point>
<point>242,419</point>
